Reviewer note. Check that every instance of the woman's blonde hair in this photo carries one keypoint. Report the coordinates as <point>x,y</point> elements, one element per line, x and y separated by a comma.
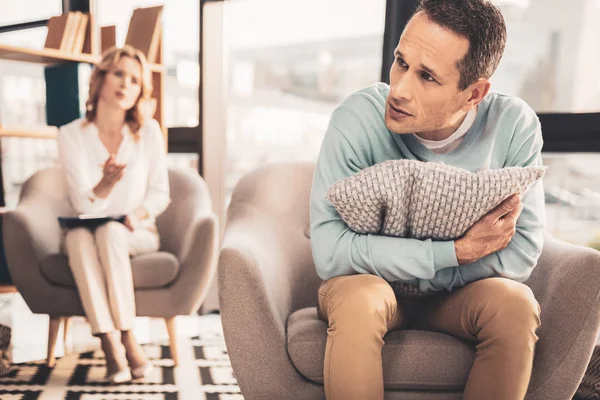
<point>134,117</point>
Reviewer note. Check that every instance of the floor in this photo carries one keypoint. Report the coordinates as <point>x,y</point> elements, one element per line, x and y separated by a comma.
<point>204,371</point>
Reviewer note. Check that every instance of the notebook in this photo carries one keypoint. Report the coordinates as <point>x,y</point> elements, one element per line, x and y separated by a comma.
<point>90,221</point>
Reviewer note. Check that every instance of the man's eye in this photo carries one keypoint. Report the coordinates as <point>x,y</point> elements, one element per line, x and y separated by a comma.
<point>401,63</point>
<point>118,73</point>
<point>427,77</point>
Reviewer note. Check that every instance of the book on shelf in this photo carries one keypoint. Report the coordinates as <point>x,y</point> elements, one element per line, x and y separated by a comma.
<point>56,31</point>
<point>67,32</point>
<point>144,31</point>
<point>79,37</point>
<point>108,37</point>
<point>91,43</point>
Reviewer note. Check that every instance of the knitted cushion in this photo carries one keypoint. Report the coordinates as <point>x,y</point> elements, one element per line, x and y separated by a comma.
<point>424,200</point>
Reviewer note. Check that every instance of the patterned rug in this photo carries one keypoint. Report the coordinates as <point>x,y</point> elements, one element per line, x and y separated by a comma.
<point>204,373</point>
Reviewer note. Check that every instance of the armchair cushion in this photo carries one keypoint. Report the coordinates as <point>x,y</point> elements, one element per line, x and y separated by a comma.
<point>150,270</point>
<point>424,200</point>
<point>411,359</point>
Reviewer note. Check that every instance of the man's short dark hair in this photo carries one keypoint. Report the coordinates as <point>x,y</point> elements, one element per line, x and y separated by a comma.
<point>482,23</point>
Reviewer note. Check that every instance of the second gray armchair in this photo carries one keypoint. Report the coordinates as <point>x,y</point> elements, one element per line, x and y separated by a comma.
<point>173,281</point>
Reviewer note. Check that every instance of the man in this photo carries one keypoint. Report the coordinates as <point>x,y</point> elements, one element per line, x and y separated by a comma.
<point>437,108</point>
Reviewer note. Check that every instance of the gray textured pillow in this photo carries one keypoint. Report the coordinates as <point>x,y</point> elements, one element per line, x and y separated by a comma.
<point>424,200</point>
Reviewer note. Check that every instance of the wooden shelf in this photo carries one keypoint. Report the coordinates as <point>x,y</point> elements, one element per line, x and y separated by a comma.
<point>36,132</point>
<point>52,56</point>
<point>8,289</point>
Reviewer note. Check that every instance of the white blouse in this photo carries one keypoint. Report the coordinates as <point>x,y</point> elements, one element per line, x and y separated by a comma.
<point>145,181</point>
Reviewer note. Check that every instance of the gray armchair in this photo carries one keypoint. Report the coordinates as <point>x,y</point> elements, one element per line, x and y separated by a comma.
<point>276,343</point>
<point>173,281</point>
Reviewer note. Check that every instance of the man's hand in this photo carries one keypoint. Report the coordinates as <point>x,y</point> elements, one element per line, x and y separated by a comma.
<point>491,233</point>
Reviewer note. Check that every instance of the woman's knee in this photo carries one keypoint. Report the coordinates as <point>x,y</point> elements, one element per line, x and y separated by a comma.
<point>78,236</point>
<point>111,230</point>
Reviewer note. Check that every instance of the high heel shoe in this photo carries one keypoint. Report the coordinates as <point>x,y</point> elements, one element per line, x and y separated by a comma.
<point>119,377</point>
<point>142,371</point>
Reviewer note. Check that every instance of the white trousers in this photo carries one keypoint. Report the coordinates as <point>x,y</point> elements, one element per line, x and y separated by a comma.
<point>101,266</point>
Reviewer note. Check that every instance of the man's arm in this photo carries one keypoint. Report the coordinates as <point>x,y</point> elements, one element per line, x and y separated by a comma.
<point>518,259</point>
<point>337,250</point>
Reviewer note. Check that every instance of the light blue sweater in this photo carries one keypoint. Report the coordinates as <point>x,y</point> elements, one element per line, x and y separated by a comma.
<point>506,132</point>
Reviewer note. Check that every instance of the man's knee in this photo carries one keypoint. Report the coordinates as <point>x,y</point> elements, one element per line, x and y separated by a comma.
<point>357,301</point>
<point>512,302</point>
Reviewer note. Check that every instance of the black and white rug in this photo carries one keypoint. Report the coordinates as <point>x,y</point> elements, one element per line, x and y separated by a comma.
<point>204,373</point>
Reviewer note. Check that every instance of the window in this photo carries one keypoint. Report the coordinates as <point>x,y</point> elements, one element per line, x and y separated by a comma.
<point>550,61</point>
<point>23,103</point>
<point>33,38</point>
<point>180,52</point>
<point>552,56</point>
<point>572,188</point>
<point>28,10</point>
<point>286,74</point>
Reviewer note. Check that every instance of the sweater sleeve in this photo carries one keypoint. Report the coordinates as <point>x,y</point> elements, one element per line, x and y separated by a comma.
<point>337,250</point>
<point>519,258</point>
<point>79,181</point>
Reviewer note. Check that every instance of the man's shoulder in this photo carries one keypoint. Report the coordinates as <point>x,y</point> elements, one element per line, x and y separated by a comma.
<point>365,102</point>
<point>516,123</point>
<point>508,106</point>
<point>360,119</point>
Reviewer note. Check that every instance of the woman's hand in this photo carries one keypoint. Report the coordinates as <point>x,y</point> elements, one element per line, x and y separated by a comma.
<point>130,222</point>
<point>111,174</point>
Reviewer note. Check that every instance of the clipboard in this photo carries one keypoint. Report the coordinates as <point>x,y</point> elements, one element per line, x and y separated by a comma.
<point>90,221</point>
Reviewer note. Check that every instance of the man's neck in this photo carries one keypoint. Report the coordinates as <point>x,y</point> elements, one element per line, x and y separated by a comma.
<point>444,133</point>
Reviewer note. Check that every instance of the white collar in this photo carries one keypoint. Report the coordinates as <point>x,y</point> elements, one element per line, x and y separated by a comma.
<point>460,132</point>
<point>90,125</point>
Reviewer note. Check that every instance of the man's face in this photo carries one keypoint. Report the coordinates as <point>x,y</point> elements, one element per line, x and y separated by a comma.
<point>424,93</point>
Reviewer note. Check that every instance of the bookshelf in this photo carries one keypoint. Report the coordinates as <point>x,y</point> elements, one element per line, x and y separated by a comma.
<point>73,37</point>
<point>145,30</point>
<point>36,132</point>
<point>52,56</point>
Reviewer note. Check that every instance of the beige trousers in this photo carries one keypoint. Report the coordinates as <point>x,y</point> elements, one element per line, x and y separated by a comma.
<point>101,266</point>
<point>498,314</point>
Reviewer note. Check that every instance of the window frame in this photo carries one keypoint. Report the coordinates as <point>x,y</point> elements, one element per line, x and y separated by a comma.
<point>30,24</point>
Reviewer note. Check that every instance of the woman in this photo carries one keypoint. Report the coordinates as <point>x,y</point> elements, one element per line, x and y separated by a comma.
<point>115,164</point>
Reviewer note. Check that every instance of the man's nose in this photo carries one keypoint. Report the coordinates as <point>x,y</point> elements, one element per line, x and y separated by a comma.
<point>402,90</point>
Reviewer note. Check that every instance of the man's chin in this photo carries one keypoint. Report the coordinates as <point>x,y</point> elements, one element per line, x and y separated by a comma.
<point>397,127</point>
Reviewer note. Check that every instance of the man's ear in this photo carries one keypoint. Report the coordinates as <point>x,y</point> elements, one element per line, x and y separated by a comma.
<point>476,92</point>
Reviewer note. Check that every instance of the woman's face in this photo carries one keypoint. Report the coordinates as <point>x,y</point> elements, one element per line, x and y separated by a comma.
<point>122,84</point>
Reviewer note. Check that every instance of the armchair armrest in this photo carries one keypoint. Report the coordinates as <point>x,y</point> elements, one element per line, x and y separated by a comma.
<point>198,261</point>
<point>262,280</point>
<point>566,283</point>
<point>31,232</point>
